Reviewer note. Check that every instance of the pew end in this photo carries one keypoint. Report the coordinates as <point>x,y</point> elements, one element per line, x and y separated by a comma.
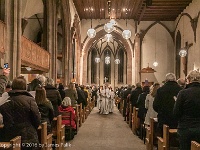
<point>195,145</point>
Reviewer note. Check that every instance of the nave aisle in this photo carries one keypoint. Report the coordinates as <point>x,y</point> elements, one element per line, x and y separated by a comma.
<point>105,132</point>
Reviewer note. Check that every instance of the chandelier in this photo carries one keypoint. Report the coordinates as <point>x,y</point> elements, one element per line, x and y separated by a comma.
<point>117,61</point>
<point>108,37</point>
<point>183,52</point>
<point>107,60</point>
<point>126,34</point>
<point>155,63</point>
<point>109,27</point>
<point>91,32</point>
<point>97,59</point>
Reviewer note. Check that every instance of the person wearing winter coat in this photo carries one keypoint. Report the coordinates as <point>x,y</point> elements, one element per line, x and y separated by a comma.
<point>21,116</point>
<point>186,111</point>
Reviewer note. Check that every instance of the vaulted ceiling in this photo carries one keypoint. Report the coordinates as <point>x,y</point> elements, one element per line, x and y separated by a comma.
<point>141,10</point>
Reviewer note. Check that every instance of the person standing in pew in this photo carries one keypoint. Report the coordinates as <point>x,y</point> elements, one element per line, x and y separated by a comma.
<point>53,95</point>
<point>163,103</point>
<point>21,116</point>
<point>187,111</point>
<point>72,94</point>
<point>45,107</point>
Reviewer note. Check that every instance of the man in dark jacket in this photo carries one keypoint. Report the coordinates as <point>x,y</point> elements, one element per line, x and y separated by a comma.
<point>135,94</point>
<point>186,111</point>
<point>125,95</point>
<point>164,102</point>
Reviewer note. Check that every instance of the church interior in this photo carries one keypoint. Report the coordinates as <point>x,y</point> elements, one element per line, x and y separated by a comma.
<point>50,37</point>
<point>93,42</point>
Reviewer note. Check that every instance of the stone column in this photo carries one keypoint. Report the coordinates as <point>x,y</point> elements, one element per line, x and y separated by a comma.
<point>52,37</point>
<point>66,40</point>
<point>137,58</point>
<point>13,36</point>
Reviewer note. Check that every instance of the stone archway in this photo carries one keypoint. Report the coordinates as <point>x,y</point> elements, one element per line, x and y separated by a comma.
<point>128,49</point>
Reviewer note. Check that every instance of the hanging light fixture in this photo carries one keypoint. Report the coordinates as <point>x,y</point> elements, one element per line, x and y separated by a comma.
<point>155,63</point>
<point>91,32</point>
<point>107,59</point>
<point>97,59</point>
<point>108,37</point>
<point>109,27</point>
<point>117,61</point>
<point>126,34</point>
<point>183,51</point>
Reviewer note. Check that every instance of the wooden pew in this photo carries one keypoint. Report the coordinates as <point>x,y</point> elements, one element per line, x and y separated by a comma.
<point>14,144</point>
<point>77,117</point>
<point>121,106</point>
<point>169,136</point>
<point>130,115</point>
<point>135,123</point>
<point>80,113</point>
<point>58,131</point>
<point>195,145</point>
<point>150,139</point>
<point>44,139</point>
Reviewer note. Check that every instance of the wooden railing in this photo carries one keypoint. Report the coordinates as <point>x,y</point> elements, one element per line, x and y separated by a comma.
<point>33,55</point>
<point>2,37</point>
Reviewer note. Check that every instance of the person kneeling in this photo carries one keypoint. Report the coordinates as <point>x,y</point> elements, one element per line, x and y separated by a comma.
<point>68,120</point>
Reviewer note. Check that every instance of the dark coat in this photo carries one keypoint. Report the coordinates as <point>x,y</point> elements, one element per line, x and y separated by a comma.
<point>54,96</point>
<point>134,95</point>
<point>164,103</point>
<point>81,97</point>
<point>47,114</point>
<point>21,117</point>
<point>141,105</point>
<point>187,106</point>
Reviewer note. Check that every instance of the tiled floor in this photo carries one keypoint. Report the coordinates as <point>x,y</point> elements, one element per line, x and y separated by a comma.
<point>105,132</point>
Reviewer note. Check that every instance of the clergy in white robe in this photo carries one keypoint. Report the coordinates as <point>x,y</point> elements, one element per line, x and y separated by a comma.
<point>111,101</point>
<point>104,98</point>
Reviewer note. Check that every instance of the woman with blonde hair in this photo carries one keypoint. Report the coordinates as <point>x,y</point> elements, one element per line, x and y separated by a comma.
<point>45,107</point>
<point>149,103</point>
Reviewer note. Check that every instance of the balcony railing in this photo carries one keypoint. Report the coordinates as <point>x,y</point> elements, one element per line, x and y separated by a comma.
<point>34,55</point>
<point>2,37</point>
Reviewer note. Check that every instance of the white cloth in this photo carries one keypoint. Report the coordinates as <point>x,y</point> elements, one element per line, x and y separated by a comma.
<point>104,101</point>
<point>3,100</point>
<point>111,101</point>
<point>98,100</point>
<point>150,112</point>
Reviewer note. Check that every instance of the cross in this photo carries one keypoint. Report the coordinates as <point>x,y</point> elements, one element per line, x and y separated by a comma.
<point>105,79</point>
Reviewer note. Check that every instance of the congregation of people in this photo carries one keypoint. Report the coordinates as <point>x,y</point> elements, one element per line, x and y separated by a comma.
<point>176,104</point>
<point>24,107</point>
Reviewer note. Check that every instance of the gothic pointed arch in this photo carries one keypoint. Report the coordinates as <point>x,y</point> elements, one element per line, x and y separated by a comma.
<point>127,47</point>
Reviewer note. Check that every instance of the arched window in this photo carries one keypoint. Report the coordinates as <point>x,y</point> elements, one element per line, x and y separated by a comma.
<point>121,66</point>
<point>178,47</point>
<point>93,66</point>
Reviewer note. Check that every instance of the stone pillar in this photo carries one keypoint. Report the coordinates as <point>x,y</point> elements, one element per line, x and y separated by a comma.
<point>66,40</point>
<point>13,36</point>
<point>52,37</point>
<point>137,58</point>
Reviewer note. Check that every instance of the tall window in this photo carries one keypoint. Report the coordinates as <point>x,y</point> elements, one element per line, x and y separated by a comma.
<point>107,67</point>
<point>178,46</point>
<point>121,66</point>
<point>93,66</point>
